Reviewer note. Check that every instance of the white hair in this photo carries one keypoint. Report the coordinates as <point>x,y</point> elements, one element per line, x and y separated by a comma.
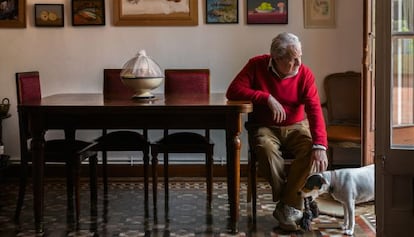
<point>281,43</point>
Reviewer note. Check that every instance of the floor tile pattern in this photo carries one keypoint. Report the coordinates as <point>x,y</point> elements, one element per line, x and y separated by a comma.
<point>124,214</point>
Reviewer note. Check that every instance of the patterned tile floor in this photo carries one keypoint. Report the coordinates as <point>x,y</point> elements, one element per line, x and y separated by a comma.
<point>124,214</point>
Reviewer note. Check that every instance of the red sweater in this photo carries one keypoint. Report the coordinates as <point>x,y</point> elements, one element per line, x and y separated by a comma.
<point>298,96</point>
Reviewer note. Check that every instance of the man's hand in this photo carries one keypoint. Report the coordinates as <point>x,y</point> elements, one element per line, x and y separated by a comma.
<point>279,114</point>
<point>319,161</point>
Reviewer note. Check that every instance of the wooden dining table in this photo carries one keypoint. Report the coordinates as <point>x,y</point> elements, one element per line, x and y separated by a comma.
<point>73,112</point>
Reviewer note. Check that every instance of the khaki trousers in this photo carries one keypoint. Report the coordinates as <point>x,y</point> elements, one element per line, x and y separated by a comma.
<point>267,144</point>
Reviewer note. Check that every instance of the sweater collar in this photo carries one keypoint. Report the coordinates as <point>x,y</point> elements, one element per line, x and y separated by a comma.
<point>272,68</point>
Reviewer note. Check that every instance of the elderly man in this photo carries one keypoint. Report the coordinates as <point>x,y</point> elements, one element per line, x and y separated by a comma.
<point>286,113</point>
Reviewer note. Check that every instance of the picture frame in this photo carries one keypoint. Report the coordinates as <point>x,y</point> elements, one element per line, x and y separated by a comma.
<point>88,12</point>
<point>155,13</point>
<point>319,13</point>
<point>267,12</point>
<point>222,12</point>
<point>14,15</point>
<point>49,15</point>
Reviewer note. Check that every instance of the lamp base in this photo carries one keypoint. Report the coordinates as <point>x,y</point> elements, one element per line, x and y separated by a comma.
<point>143,96</point>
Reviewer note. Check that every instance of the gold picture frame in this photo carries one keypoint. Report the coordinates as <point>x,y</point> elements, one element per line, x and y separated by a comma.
<point>319,13</point>
<point>127,13</point>
<point>15,15</point>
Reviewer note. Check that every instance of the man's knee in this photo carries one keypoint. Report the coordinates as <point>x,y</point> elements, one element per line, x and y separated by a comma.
<point>264,137</point>
<point>266,145</point>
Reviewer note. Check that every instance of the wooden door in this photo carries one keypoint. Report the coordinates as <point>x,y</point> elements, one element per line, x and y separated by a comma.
<point>394,138</point>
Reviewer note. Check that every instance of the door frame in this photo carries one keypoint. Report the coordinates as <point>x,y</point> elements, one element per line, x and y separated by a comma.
<point>368,84</point>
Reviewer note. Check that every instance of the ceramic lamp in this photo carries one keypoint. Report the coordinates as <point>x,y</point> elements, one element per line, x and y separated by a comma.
<point>142,74</point>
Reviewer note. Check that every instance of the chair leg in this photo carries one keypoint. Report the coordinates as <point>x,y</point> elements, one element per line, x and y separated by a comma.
<point>93,163</point>
<point>209,166</point>
<point>249,183</point>
<point>154,178</point>
<point>254,187</point>
<point>69,185</point>
<point>105,173</point>
<point>22,188</point>
<point>76,182</point>
<point>146,179</point>
<point>252,183</point>
<point>166,188</point>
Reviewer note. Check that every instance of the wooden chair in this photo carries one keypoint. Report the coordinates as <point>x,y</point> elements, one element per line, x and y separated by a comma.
<point>185,81</point>
<point>343,105</point>
<point>121,140</point>
<point>56,150</point>
<point>252,170</point>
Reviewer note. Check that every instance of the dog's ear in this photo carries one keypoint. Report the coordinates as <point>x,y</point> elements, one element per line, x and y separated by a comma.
<point>315,181</point>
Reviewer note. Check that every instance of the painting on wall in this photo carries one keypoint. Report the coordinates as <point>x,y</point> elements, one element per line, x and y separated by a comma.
<point>155,12</point>
<point>13,14</point>
<point>319,13</point>
<point>88,12</point>
<point>49,15</point>
<point>222,11</point>
<point>267,12</point>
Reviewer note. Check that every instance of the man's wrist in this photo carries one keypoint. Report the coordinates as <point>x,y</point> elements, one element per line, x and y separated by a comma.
<point>318,147</point>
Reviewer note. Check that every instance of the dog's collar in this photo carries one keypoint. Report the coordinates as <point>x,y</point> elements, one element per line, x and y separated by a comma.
<point>331,188</point>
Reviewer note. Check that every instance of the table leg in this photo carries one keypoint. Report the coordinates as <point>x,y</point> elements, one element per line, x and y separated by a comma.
<point>37,146</point>
<point>233,145</point>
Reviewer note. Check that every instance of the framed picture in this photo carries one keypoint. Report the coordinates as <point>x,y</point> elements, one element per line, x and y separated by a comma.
<point>13,14</point>
<point>222,11</point>
<point>155,12</point>
<point>267,12</point>
<point>319,13</point>
<point>49,15</point>
<point>88,12</point>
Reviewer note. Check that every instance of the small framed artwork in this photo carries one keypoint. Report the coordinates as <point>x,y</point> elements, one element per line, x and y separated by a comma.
<point>267,12</point>
<point>224,11</point>
<point>155,13</point>
<point>88,12</point>
<point>49,15</point>
<point>13,14</point>
<point>319,13</point>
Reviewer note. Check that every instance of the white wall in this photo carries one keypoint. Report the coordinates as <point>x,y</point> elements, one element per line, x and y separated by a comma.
<point>72,59</point>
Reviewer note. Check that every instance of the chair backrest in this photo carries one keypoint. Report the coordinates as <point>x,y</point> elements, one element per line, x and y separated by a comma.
<point>187,81</point>
<point>28,86</point>
<point>113,87</point>
<point>343,98</point>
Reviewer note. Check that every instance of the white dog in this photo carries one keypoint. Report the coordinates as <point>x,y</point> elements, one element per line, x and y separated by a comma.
<point>349,186</point>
